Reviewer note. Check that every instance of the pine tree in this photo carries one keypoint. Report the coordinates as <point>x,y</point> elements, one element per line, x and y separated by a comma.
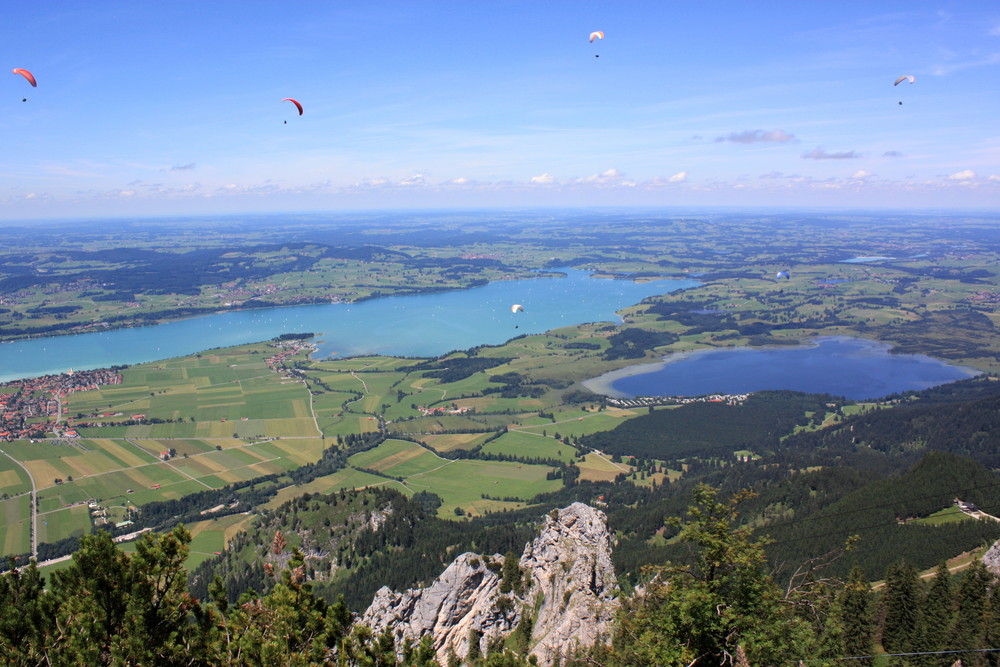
<point>938,617</point>
<point>901,604</point>
<point>970,620</point>
<point>25,616</point>
<point>992,633</point>
<point>856,617</point>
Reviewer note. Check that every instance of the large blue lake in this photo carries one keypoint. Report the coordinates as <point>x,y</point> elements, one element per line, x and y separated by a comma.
<point>422,325</point>
<point>850,367</point>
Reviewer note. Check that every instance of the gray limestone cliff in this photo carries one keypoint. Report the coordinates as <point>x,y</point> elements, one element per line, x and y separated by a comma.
<point>566,592</point>
<point>992,558</point>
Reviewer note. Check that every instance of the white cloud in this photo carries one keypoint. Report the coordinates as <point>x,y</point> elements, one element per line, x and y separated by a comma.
<point>861,173</point>
<point>608,176</point>
<point>544,179</point>
<point>264,188</point>
<point>416,179</point>
<point>993,177</point>
<point>966,175</point>
<point>820,154</point>
<point>461,180</point>
<point>679,177</point>
<point>604,176</point>
<point>758,136</point>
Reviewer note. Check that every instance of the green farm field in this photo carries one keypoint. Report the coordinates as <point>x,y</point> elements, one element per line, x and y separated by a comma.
<point>597,468</point>
<point>462,483</point>
<point>119,472</point>
<point>398,458</point>
<point>60,524</point>
<point>447,442</point>
<point>15,529</point>
<point>459,483</point>
<point>13,478</point>
<point>348,478</point>
<point>525,444</point>
<point>577,423</point>
<point>211,536</point>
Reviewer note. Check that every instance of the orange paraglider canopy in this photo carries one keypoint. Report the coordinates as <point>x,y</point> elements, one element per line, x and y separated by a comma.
<point>295,102</point>
<point>27,75</point>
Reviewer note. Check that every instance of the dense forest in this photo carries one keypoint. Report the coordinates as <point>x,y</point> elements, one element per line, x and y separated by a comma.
<point>711,429</point>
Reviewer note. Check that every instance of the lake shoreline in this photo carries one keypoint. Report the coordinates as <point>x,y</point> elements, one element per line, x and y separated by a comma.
<point>865,353</point>
<point>420,325</point>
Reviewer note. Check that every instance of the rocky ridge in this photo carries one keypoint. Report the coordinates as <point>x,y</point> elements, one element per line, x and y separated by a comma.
<point>563,591</point>
<point>992,558</point>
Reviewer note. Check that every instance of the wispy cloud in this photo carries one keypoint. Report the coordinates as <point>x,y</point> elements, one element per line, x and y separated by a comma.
<point>758,137</point>
<point>543,179</point>
<point>948,68</point>
<point>183,167</point>
<point>820,154</point>
<point>679,177</point>
<point>965,175</point>
<point>606,176</point>
<point>414,180</point>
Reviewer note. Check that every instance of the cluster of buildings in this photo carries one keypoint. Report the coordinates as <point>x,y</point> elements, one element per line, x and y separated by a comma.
<point>31,407</point>
<point>453,410</point>
<point>236,293</point>
<point>985,297</point>
<point>650,401</point>
<point>286,349</point>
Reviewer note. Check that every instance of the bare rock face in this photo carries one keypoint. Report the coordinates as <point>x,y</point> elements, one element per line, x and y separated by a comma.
<point>567,590</point>
<point>571,573</point>
<point>463,598</point>
<point>991,559</point>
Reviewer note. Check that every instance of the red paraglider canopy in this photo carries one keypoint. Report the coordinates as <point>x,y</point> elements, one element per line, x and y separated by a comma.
<point>295,102</point>
<point>29,76</point>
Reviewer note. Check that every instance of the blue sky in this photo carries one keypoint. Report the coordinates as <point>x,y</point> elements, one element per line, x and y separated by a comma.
<point>147,108</point>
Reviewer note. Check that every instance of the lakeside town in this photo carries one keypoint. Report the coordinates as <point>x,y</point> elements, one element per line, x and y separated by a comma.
<point>32,407</point>
<point>653,401</point>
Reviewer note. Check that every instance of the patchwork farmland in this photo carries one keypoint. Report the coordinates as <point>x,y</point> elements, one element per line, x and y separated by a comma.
<point>179,426</point>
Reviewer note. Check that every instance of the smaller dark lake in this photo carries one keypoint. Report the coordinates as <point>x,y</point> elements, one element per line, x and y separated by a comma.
<point>842,366</point>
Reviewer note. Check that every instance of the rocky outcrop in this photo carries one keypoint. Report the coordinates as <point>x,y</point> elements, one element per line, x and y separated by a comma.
<point>565,589</point>
<point>991,559</point>
<point>463,598</point>
<point>572,575</point>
